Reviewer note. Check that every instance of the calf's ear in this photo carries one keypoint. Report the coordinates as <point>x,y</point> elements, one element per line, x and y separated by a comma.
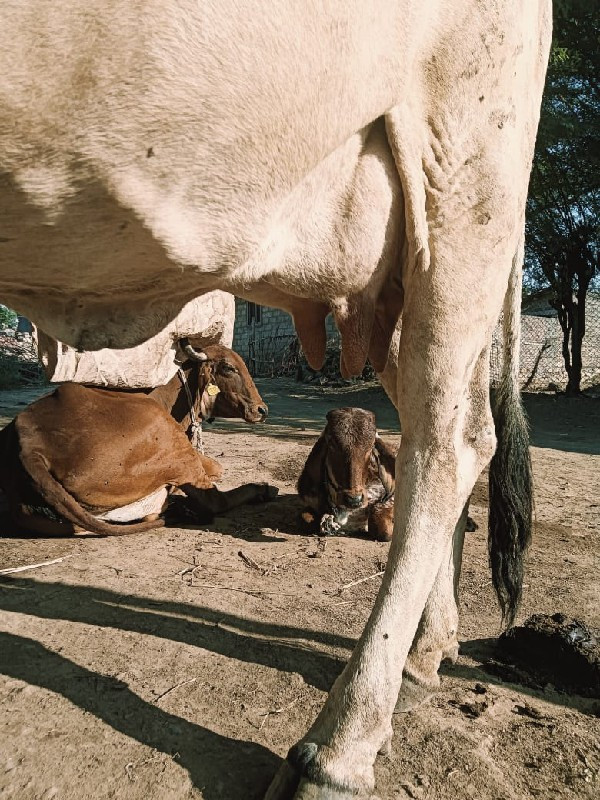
<point>387,461</point>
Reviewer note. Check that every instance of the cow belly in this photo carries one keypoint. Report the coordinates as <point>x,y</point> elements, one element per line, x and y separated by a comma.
<point>151,504</point>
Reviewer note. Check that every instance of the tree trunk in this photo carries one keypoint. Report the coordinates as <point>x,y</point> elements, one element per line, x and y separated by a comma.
<point>578,332</point>
<point>565,320</point>
<point>574,372</point>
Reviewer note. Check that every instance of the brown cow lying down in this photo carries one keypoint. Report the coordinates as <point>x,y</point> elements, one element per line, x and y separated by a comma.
<point>348,480</point>
<point>106,460</point>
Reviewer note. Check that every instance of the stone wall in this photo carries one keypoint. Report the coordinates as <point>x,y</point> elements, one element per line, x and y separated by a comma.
<point>265,344</point>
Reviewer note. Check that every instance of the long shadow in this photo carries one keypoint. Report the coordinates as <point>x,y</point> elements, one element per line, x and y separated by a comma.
<point>229,635</point>
<point>223,768</point>
<point>495,672</point>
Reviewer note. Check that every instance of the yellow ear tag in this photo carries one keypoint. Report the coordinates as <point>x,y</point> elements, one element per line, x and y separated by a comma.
<point>212,389</point>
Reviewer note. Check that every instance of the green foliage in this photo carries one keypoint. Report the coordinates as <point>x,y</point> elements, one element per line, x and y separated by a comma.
<point>8,318</point>
<point>564,200</point>
<point>563,209</point>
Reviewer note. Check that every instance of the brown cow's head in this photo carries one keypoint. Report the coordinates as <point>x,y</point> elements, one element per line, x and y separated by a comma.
<point>237,395</point>
<point>349,436</point>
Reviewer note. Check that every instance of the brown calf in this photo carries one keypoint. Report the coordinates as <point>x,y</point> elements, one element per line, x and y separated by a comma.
<point>99,460</point>
<point>348,480</point>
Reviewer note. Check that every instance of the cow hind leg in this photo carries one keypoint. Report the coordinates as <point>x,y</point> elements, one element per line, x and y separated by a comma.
<point>436,639</point>
<point>437,635</point>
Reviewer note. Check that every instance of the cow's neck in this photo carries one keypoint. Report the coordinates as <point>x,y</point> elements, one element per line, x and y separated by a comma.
<point>173,397</point>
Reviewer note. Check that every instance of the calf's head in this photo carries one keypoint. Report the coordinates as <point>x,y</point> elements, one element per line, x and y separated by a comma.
<point>350,436</point>
<point>223,368</point>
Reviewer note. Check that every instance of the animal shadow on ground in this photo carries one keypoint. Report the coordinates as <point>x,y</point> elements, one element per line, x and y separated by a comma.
<point>196,625</point>
<point>228,523</point>
<point>208,757</point>
<point>496,670</point>
<point>283,513</point>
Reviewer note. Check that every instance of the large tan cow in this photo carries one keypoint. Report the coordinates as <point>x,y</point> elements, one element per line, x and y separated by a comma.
<point>361,157</point>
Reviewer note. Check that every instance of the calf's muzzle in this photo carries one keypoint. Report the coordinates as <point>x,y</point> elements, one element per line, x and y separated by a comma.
<point>352,500</point>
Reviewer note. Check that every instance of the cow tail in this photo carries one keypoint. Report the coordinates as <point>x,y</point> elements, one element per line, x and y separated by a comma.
<point>57,497</point>
<point>510,476</point>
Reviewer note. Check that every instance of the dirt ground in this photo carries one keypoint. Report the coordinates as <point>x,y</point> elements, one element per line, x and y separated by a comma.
<point>165,665</point>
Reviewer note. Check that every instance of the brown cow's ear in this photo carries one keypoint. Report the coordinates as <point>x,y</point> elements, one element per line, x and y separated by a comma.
<point>387,460</point>
<point>208,370</point>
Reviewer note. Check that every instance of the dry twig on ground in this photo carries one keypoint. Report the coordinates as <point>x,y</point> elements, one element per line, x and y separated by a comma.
<point>360,580</point>
<point>12,570</point>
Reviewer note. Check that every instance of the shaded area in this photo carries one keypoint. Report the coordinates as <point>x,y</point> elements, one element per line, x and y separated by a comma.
<point>223,768</point>
<point>281,514</point>
<point>570,424</point>
<point>13,401</point>
<point>494,669</point>
<point>226,634</point>
<point>297,411</point>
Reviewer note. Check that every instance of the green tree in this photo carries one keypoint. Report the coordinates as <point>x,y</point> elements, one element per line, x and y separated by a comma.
<point>8,318</point>
<point>563,209</point>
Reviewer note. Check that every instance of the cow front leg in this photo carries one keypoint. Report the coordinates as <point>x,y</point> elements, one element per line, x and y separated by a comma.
<point>446,443</point>
<point>448,438</point>
<point>214,502</point>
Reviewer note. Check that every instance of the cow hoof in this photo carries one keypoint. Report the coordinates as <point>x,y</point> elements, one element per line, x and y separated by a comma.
<point>271,492</point>
<point>287,785</point>
<point>290,784</point>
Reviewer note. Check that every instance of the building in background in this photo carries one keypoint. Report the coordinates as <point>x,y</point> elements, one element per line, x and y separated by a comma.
<point>266,339</point>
